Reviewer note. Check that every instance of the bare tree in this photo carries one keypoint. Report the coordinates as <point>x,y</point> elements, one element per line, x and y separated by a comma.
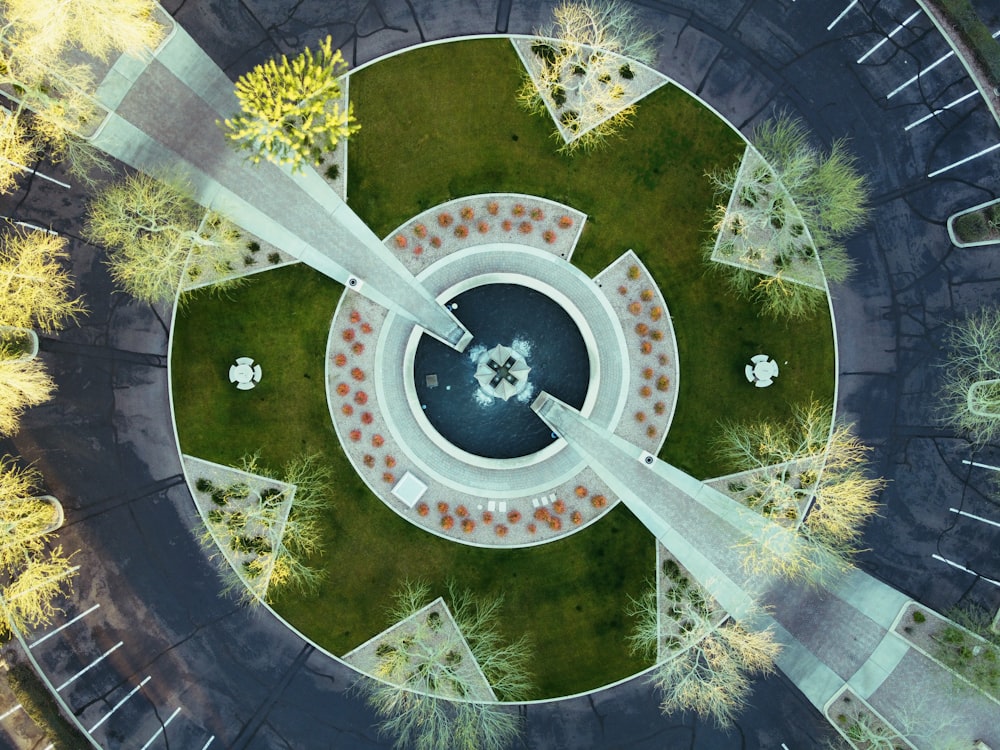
<point>292,112</point>
<point>707,658</point>
<point>23,383</point>
<point>156,233</point>
<point>29,598</point>
<point>35,287</point>
<point>970,394</point>
<point>584,70</point>
<point>809,462</point>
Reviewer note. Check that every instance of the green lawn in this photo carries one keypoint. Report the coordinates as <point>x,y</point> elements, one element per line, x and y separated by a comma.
<point>439,123</point>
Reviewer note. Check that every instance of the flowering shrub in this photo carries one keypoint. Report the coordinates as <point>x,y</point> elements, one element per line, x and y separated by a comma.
<point>445,219</point>
<point>435,241</point>
<point>565,222</point>
<point>357,347</point>
<point>348,334</point>
<point>420,231</point>
<point>442,507</point>
<point>418,250</point>
<point>483,227</point>
<point>461,231</point>
<point>647,373</point>
<point>355,435</point>
<point>576,517</point>
<point>549,236</point>
<point>598,501</point>
<point>487,517</point>
<point>555,523</point>
<point>640,416</point>
<point>389,478</point>
<point>390,461</point>
<point>361,398</point>
<point>461,511</point>
<point>513,516</point>
<point>340,359</point>
<point>369,460</point>
<point>467,213</point>
<point>641,328</point>
<point>663,359</point>
<point>501,529</point>
<point>580,491</point>
<point>659,407</point>
<point>662,383</point>
<point>367,418</point>
<point>537,214</point>
<point>517,210</point>
<point>623,290</point>
<point>645,391</point>
<point>646,347</point>
<point>493,207</point>
<point>507,226</point>
<point>447,522</point>
<point>355,316</point>
<point>347,410</point>
<point>343,389</point>
<point>401,241</point>
<point>378,441</point>
<point>542,514</point>
<point>423,509</point>
<point>524,227</point>
<point>366,328</point>
<point>468,525</point>
<point>651,431</point>
<point>635,308</point>
<point>559,506</point>
<point>357,373</point>
<point>656,334</point>
<point>656,312</point>
<point>646,295</point>
<point>633,272</point>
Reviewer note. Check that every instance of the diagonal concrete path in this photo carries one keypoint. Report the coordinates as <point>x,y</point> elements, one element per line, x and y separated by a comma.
<point>833,636</point>
<point>162,119</point>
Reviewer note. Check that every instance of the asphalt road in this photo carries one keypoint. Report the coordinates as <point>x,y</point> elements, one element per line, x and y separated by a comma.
<point>208,668</point>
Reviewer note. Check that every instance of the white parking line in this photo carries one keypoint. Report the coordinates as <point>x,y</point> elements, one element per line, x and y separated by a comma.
<point>949,105</point>
<point>5,714</point>
<point>90,666</point>
<point>842,14</point>
<point>928,69</point>
<point>33,171</point>
<point>119,704</point>
<point>160,730</point>
<point>29,226</point>
<point>960,162</point>
<point>979,465</point>
<point>963,568</point>
<point>973,515</point>
<point>210,741</point>
<point>891,35</point>
<point>63,626</point>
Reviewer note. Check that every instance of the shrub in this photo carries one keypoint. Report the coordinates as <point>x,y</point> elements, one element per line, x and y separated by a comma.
<point>493,208</point>
<point>418,250</point>
<point>662,383</point>
<point>542,514</point>
<point>580,491</point>
<point>442,507</point>
<point>633,272</point>
<point>500,529</point>
<point>640,416</point>
<point>555,523</point>
<point>623,290</point>
<point>366,417</point>
<point>598,501</point>
<point>537,214</point>
<point>355,316</point>
<point>340,359</point>
<point>468,525</point>
<point>507,225</point>
<point>565,222</point>
<point>347,410</point>
<point>483,227</point>
<point>357,373</point>
<point>525,227</point>
<point>332,172</point>
<point>357,347</point>
<point>378,441</point>
<point>366,328</point>
<point>641,328</point>
<point>663,359</point>
<point>447,522</point>
<point>435,241</point>
<point>656,312</point>
<point>355,435</point>
<point>253,246</point>
<point>659,407</point>
<point>635,308</point>
<point>918,616</point>
<point>204,485</point>
<point>390,462</point>
<point>401,241</point>
<point>549,236</point>
<point>559,506</point>
<point>645,391</point>
<point>445,219</point>
<point>461,231</point>
<point>461,511</point>
<point>274,258</point>
<point>361,398</point>
<point>971,227</point>
<point>389,478</point>
<point>420,230</point>
<point>517,210</point>
<point>348,334</point>
<point>343,389</point>
<point>487,517</point>
<point>651,431</point>
<point>576,517</point>
<point>647,373</point>
<point>531,528</point>
<point>468,213</point>
<point>646,295</point>
<point>646,347</point>
<point>369,460</point>
<point>513,516</point>
<point>656,334</point>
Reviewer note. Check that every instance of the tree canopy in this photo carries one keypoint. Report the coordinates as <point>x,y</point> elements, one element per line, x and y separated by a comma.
<point>35,286</point>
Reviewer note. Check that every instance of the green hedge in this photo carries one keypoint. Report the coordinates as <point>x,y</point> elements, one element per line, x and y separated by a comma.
<point>42,708</point>
<point>974,33</point>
